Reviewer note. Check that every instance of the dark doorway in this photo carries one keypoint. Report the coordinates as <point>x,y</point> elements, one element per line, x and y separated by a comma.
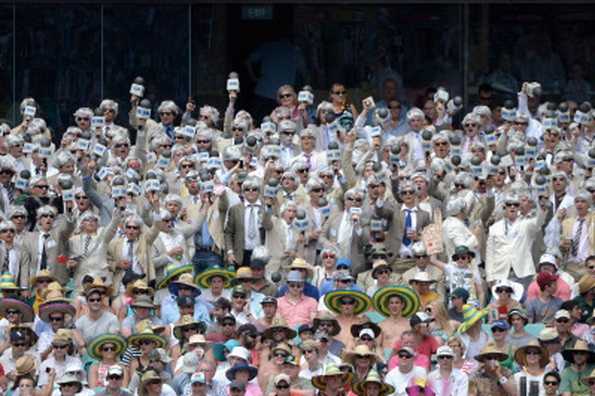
<point>249,26</point>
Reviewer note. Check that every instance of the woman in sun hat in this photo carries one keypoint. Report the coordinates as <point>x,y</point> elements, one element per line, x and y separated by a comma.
<point>106,349</point>
<point>491,378</point>
<point>507,295</point>
<point>62,356</point>
<point>470,331</point>
<point>373,385</point>
<point>146,341</point>
<point>349,305</point>
<point>532,358</point>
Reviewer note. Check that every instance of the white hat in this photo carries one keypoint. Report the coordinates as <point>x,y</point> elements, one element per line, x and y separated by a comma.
<point>445,350</point>
<point>517,288</point>
<point>366,331</point>
<point>295,276</point>
<point>562,313</point>
<point>240,352</point>
<point>198,378</point>
<point>114,370</point>
<point>548,258</point>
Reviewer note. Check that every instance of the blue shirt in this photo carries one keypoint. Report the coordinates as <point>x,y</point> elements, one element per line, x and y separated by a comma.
<point>170,312</point>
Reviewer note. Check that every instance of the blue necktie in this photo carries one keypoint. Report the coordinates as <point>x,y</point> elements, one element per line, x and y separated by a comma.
<point>169,131</point>
<point>408,224</point>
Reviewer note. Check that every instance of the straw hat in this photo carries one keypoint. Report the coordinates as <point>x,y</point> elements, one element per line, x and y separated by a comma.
<point>333,300</point>
<point>204,278</point>
<point>97,343</point>
<point>187,321</point>
<point>319,381</point>
<point>409,297</point>
<point>586,283</point>
<point>378,265</point>
<point>62,337</point>
<point>490,351</point>
<point>325,316</point>
<point>98,286</point>
<point>301,264</point>
<point>241,274</point>
<point>521,354</point>
<point>184,280</point>
<point>25,365</point>
<point>146,335</point>
<point>13,303</point>
<point>171,271</point>
<point>422,277</point>
<point>579,346</point>
<point>279,324</point>
<point>471,315</point>
<point>373,378</point>
<point>361,350</point>
<point>43,275</point>
<point>55,302</point>
<point>148,376</point>
<point>138,285</point>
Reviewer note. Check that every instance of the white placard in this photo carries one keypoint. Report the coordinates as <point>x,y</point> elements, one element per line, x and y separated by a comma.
<point>132,174</point>
<point>28,148</point>
<point>233,84</point>
<point>143,113</point>
<point>163,162</point>
<point>214,162</point>
<point>103,172</point>
<point>369,101</point>
<point>134,188</point>
<point>268,127</point>
<point>99,149</point>
<point>188,131</point>
<point>306,97</point>
<point>30,111</point>
<point>152,185</point>
<point>118,192</point>
<point>83,144</point>
<point>45,151</point>
<point>98,122</point>
<point>270,192</point>
<point>375,131</point>
<point>22,184</point>
<point>207,186</point>
<point>68,195</point>
<point>137,90</point>
<point>355,210</point>
<point>203,156</point>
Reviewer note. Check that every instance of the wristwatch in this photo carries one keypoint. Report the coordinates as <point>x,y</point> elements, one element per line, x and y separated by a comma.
<point>502,380</point>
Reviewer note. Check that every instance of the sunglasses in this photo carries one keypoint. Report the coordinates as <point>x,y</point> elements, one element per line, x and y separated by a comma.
<point>56,319</point>
<point>228,324</point>
<point>340,93</point>
<point>302,170</point>
<point>12,312</point>
<point>282,387</point>
<point>114,377</point>
<point>504,290</point>
<point>444,357</point>
<point>359,200</point>
<point>498,330</point>
<point>9,230</point>
<point>366,338</point>
<point>129,227</point>
<point>347,302</point>
<point>94,300</point>
<point>562,320</point>
<point>294,285</point>
<point>42,186</point>
<point>534,352</point>
<point>237,129</point>
<point>306,351</point>
<point>203,141</point>
<point>328,256</point>
<point>146,342</point>
<point>516,205</point>
<point>404,356</point>
<point>470,125</point>
<point>555,383</point>
<point>342,267</point>
<point>239,297</point>
<point>384,271</point>
<point>82,119</point>
<point>286,95</point>
<point>22,217</point>
<point>120,145</point>
<point>19,344</point>
<point>6,172</point>
<point>59,346</point>
<point>251,189</point>
<point>280,355</point>
<point>165,113</point>
<point>108,349</point>
<point>81,197</point>
<point>408,192</point>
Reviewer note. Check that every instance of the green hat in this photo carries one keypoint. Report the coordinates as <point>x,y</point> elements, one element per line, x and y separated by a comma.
<point>146,334</point>
<point>239,289</point>
<point>204,278</point>
<point>98,342</point>
<point>333,300</point>
<point>171,271</point>
<point>409,297</point>
<point>462,251</point>
<point>7,282</point>
<point>374,378</point>
<point>471,315</point>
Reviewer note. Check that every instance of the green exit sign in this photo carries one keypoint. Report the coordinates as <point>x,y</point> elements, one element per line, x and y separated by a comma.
<point>257,12</point>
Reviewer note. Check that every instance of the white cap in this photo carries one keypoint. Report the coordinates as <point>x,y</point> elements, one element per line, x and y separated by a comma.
<point>562,313</point>
<point>445,350</point>
<point>240,352</point>
<point>368,332</point>
<point>115,370</point>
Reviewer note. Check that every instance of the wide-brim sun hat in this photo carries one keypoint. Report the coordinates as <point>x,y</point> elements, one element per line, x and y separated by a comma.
<point>48,308</point>
<point>578,346</point>
<point>185,280</point>
<point>319,381</point>
<point>204,278</point>
<point>172,273</point>
<point>520,355</point>
<point>471,315</point>
<point>219,349</point>
<point>517,288</point>
<point>361,350</point>
<point>325,316</point>
<point>13,303</point>
<point>332,300</point>
<point>230,374</point>
<point>186,321</point>
<point>490,351</point>
<point>279,324</point>
<point>373,377</point>
<point>94,349</point>
<point>358,327</point>
<point>136,339</point>
<point>409,297</point>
